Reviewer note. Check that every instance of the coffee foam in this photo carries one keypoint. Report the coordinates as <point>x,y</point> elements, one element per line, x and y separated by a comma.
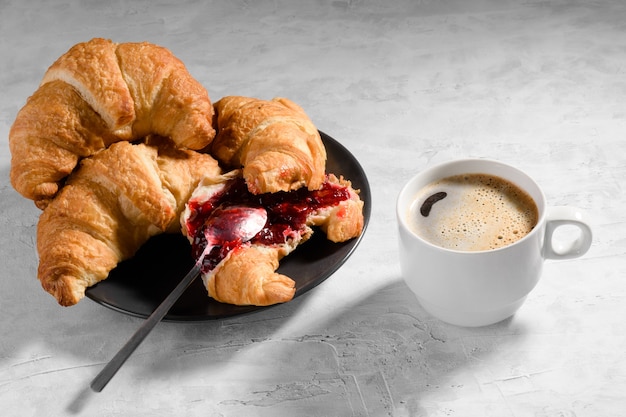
<point>479,212</point>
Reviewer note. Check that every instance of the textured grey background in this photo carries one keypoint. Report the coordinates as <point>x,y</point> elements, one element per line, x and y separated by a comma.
<point>402,84</point>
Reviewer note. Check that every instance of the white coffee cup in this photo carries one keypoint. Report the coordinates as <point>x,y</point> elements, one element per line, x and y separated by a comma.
<point>478,288</point>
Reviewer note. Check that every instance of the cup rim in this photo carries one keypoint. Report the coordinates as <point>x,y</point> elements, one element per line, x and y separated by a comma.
<point>401,211</point>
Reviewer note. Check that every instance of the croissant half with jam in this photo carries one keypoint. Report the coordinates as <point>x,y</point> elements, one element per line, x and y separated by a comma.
<point>110,206</point>
<point>246,275</point>
<point>98,93</point>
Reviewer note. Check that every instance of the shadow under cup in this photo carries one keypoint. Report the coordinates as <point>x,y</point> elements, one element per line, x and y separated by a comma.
<point>470,288</point>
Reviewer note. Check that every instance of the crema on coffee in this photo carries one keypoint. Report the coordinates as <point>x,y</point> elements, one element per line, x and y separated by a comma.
<point>472,212</point>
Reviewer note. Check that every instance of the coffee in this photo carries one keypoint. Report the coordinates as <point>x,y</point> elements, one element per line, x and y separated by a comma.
<point>472,212</point>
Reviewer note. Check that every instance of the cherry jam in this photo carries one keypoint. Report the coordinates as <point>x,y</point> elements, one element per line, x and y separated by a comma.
<point>287,213</point>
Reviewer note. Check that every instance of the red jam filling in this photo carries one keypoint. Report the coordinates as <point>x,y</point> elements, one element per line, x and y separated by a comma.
<point>287,213</point>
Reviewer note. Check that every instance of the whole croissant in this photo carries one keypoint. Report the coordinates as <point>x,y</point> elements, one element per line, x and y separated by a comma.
<point>98,93</point>
<point>109,207</point>
<point>274,142</point>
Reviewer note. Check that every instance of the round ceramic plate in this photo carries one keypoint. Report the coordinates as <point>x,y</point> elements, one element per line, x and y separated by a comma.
<point>137,286</point>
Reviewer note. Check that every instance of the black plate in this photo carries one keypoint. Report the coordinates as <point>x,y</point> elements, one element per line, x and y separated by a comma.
<point>137,286</point>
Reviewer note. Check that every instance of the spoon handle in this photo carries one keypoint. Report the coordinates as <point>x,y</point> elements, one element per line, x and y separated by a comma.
<point>111,368</point>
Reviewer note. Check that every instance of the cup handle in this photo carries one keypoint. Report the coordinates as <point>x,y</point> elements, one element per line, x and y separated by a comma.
<point>561,216</point>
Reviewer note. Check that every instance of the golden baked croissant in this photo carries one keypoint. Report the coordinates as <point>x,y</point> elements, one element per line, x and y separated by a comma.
<point>109,207</point>
<point>247,275</point>
<point>274,142</point>
<point>343,221</point>
<point>97,93</point>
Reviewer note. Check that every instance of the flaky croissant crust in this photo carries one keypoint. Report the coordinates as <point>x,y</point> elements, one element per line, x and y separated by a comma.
<point>98,93</point>
<point>273,141</point>
<point>110,206</point>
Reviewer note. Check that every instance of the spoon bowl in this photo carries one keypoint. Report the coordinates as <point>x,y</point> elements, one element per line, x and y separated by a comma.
<point>233,223</point>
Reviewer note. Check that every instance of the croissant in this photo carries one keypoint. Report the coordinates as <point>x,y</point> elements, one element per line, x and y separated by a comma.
<point>247,275</point>
<point>98,93</point>
<point>112,204</point>
<point>343,221</point>
<point>274,142</point>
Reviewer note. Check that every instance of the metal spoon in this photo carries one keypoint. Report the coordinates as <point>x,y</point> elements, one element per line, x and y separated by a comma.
<point>236,223</point>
